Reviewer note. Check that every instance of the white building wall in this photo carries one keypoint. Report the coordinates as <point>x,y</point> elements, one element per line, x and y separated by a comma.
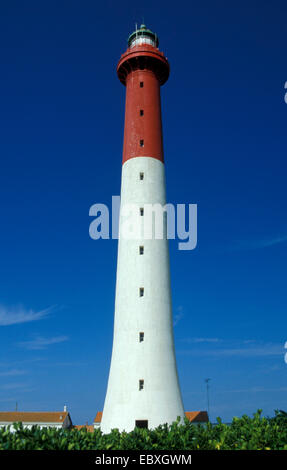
<point>152,360</point>
<point>30,425</point>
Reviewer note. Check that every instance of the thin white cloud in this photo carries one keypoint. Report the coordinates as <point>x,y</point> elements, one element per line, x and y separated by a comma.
<point>201,340</point>
<point>257,244</point>
<point>255,390</point>
<point>272,241</point>
<point>12,373</point>
<point>7,400</point>
<point>263,351</point>
<point>243,349</point>
<point>21,362</point>
<point>13,386</point>
<point>42,343</point>
<point>16,315</point>
<point>178,316</point>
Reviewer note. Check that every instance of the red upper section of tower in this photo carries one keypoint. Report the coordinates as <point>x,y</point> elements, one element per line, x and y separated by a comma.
<point>142,57</point>
<point>143,69</point>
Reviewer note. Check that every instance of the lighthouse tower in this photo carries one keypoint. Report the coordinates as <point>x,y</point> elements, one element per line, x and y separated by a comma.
<point>143,388</point>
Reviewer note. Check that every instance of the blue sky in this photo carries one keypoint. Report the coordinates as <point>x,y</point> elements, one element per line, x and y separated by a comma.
<point>224,124</point>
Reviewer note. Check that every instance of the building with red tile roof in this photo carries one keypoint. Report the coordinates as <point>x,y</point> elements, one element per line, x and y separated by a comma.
<point>89,428</point>
<point>55,419</point>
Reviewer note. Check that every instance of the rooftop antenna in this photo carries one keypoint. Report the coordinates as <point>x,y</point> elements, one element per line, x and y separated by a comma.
<point>16,407</point>
<point>207,392</point>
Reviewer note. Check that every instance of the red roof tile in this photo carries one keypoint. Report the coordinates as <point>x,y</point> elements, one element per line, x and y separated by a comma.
<point>197,416</point>
<point>90,428</point>
<point>33,416</point>
<point>98,417</point>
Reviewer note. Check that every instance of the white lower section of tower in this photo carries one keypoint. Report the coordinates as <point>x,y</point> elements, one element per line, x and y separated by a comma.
<point>143,382</point>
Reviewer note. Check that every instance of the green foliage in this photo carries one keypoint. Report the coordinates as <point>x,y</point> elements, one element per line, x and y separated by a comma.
<point>245,433</point>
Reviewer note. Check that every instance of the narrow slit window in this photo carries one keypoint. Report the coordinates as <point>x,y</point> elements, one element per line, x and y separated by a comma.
<point>141,250</point>
<point>141,112</point>
<point>141,176</point>
<point>141,211</point>
<point>141,291</point>
<point>141,143</point>
<point>141,384</point>
<point>141,84</point>
<point>141,336</point>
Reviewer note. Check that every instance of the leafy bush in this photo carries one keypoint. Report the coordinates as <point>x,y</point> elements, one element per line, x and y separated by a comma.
<point>245,433</point>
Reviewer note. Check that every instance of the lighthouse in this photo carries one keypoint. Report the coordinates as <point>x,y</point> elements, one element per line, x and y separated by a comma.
<point>143,387</point>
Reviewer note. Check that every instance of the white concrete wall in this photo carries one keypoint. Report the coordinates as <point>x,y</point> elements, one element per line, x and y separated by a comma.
<point>30,425</point>
<point>152,360</point>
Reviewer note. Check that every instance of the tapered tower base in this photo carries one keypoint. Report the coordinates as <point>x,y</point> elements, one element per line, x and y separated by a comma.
<point>143,388</point>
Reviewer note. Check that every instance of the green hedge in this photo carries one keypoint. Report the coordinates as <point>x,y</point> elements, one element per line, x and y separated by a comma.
<point>256,433</point>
